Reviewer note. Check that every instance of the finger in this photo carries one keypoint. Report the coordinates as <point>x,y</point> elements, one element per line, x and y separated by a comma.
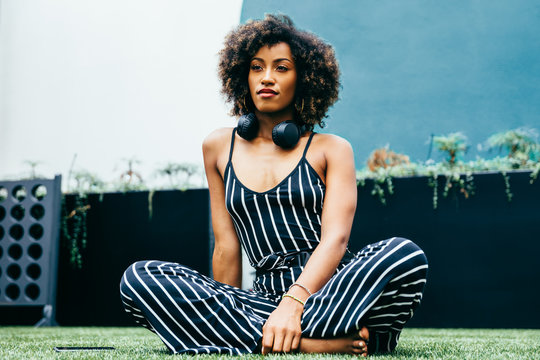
<point>296,342</point>
<point>287,342</point>
<point>278,343</point>
<point>267,342</point>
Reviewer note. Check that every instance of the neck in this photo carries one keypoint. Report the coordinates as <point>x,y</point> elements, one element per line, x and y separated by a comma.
<point>267,121</point>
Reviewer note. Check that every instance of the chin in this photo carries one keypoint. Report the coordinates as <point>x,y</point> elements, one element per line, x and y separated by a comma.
<point>266,109</point>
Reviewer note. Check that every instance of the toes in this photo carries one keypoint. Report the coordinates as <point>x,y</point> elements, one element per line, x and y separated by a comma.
<point>359,344</point>
<point>364,333</point>
<point>360,351</point>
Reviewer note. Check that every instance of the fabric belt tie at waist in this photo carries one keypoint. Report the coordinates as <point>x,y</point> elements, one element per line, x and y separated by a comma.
<point>277,261</point>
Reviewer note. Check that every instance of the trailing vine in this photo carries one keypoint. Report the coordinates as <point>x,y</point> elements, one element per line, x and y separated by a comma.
<point>434,183</point>
<point>382,184</point>
<point>151,204</point>
<point>534,174</point>
<point>378,187</point>
<point>508,191</point>
<point>463,183</point>
<point>74,229</point>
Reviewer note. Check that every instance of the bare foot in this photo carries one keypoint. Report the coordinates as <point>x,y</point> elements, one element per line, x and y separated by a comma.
<point>355,344</point>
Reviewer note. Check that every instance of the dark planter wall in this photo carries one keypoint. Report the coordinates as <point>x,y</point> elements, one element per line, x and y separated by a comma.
<point>482,251</point>
<point>120,232</point>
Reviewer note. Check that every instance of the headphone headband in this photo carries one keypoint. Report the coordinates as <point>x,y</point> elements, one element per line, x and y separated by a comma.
<point>285,134</point>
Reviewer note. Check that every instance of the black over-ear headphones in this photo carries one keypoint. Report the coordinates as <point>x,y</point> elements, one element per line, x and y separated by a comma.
<point>285,134</point>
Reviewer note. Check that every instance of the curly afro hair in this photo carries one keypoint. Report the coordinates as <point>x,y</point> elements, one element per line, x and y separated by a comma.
<point>318,73</point>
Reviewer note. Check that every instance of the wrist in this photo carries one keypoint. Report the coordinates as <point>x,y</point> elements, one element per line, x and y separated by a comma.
<point>293,302</point>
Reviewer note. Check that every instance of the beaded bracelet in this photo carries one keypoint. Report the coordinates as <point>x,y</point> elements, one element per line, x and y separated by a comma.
<point>302,286</point>
<point>294,298</point>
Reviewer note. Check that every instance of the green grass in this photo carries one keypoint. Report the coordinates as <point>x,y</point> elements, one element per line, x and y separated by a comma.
<point>138,343</point>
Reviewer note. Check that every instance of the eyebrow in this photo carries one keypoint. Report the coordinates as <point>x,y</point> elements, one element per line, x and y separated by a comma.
<point>275,61</point>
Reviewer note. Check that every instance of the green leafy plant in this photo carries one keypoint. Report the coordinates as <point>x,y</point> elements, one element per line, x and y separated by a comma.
<point>535,171</point>
<point>179,175</point>
<point>381,177</point>
<point>458,178</point>
<point>381,163</point>
<point>74,229</point>
<point>454,144</point>
<point>520,143</point>
<point>507,190</point>
<point>84,182</point>
<point>130,179</point>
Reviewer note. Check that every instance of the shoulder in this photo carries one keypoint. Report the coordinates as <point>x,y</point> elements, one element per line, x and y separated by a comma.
<point>217,140</point>
<point>332,145</point>
<point>330,152</point>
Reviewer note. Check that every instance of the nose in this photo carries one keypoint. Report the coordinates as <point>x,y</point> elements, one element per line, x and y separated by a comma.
<point>267,79</point>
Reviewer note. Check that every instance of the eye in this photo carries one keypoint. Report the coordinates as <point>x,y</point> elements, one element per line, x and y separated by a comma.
<point>255,67</point>
<point>282,68</point>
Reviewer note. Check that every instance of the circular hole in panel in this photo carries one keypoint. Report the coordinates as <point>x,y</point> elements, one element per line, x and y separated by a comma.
<point>36,231</point>
<point>15,251</point>
<point>2,213</point>
<point>39,192</point>
<point>35,251</point>
<point>14,271</point>
<point>16,232</point>
<point>37,211</point>
<point>19,192</point>
<point>1,252</point>
<point>13,291</point>
<point>1,232</point>
<point>33,271</point>
<point>32,291</point>
<point>3,193</point>
<point>17,212</point>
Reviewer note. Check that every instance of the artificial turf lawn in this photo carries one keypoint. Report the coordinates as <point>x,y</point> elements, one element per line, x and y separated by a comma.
<point>138,343</point>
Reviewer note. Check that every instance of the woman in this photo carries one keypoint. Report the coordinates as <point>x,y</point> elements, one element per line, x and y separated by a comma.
<point>288,196</point>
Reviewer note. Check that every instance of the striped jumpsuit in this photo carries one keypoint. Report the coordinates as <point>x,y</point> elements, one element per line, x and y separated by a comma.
<point>379,287</point>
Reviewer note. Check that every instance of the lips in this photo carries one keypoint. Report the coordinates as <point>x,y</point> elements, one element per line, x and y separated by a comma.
<point>266,91</point>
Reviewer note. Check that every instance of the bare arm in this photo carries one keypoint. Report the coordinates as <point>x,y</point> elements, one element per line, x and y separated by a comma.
<point>282,331</point>
<point>337,218</point>
<point>227,258</point>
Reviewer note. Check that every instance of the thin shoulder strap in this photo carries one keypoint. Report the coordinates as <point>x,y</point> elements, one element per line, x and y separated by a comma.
<point>307,144</point>
<point>232,144</point>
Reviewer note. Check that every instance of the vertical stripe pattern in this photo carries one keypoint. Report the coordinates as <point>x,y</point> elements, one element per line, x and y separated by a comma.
<point>279,225</point>
<point>379,287</point>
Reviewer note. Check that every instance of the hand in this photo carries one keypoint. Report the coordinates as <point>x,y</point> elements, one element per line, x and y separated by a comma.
<point>282,331</point>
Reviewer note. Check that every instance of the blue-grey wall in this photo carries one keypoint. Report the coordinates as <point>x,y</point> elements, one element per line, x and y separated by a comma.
<point>415,68</point>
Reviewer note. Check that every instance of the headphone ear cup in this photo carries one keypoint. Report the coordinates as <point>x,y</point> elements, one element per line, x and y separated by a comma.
<point>247,127</point>
<point>286,134</point>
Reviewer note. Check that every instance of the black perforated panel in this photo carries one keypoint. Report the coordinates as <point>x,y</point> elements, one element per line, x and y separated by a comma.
<point>29,224</point>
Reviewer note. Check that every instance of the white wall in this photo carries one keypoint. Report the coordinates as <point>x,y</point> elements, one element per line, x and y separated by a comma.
<point>109,80</point>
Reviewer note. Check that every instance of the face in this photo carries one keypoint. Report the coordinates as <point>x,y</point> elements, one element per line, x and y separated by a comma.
<point>272,79</point>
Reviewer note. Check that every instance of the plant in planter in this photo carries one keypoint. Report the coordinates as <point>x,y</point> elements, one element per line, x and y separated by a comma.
<point>74,230</point>
<point>380,164</point>
<point>458,175</point>
<point>455,144</point>
<point>130,179</point>
<point>85,182</point>
<point>179,175</point>
<point>520,143</point>
<point>74,233</point>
